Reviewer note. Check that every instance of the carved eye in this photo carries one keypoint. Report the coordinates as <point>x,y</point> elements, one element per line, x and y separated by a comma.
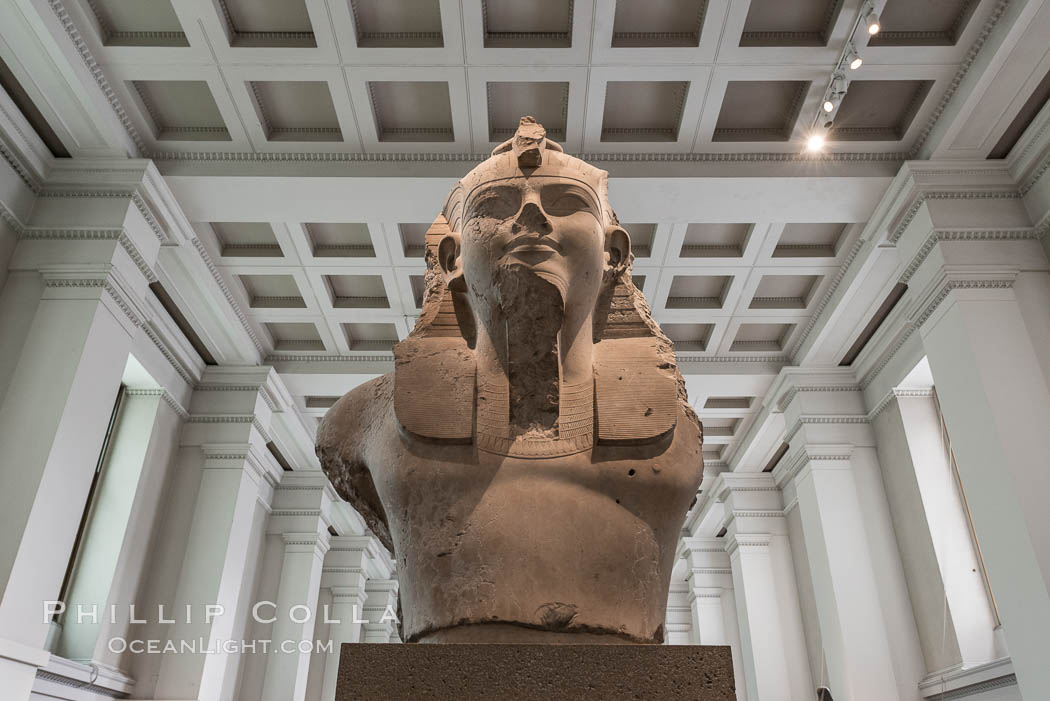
<point>503,203</point>
<point>562,201</point>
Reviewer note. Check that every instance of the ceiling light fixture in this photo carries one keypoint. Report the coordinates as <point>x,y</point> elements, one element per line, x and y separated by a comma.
<point>849,60</point>
<point>852,58</point>
<point>871,21</point>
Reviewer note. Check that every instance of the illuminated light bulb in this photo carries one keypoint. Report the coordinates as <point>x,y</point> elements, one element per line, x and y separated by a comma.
<point>871,21</point>
<point>853,59</point>
<point>815,143</point>
<point>829,106</point>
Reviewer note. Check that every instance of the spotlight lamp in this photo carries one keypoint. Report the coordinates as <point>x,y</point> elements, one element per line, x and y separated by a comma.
<point>853,59</point>
<point>871,21</point>
<point>815,143</point>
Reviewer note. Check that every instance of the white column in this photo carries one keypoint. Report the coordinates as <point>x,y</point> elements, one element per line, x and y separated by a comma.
<point>852,626</point>
<point>286,672</point>
<point>300,513</point>
<point>347,608</point>
<point>350,563</point>
<point>772,639</point>
<point>238,473</point>
<point>996,403</point>
<point>381,601</point>
<point>712,604</point>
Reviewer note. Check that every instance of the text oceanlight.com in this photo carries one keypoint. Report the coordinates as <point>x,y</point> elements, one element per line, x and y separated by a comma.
<point>204,646</point>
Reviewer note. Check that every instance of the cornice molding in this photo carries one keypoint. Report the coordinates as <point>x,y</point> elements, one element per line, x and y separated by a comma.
<point>58,7</point>
<point>217,276</point>
<point>912,325</point>
<point>132,195</point>
<point>840,275</point>
<point>881,406</point>
<point>119,235</point>
<point>926,195</point>
<point>103,281</point>
<point>1033,179</point>
<point>964,68</point>
<point>429,157</point>
<point>939,235</point>
<point>790,394</point>
<point>165,395</point>
<point>181,370</point>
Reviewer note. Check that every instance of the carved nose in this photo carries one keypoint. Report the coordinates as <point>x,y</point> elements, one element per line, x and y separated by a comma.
<point>532,217</point>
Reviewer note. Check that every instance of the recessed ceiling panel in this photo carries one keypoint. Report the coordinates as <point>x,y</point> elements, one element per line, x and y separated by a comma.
<point>643,110</point>
<point>294,336</point>
<point>789,22</point>
<point>536,24</point>
<point>296,110</point>
<point>414,239</point>
<point>698,291</point>
<point>411,110</point>
<point>926,23</point>
<point>641,23</point>
<point>784,291</point>
<point>728,402</point>
<point>642,236</point>
<point>754,338</point>
<point>138,23</point>
<point>357,291</point>
<point>715,240</point>
<point>397,23</point>
<point>879,110</point>
<point>418,283</point>
<point>340,240</point>
<point>246,239</point>
<point>760,110</point>
<point>809,240</point>
<point>688,337</point>
<point>182,110</point>
<point>272,292</point>
<point>276,23</point>
<point>370,336</point>
<point>508,102</point>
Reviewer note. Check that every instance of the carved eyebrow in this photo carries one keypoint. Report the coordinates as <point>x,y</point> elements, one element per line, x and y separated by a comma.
<point>555,189</point>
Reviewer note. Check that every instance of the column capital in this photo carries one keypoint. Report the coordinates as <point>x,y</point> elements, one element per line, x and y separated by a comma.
<point>316,542</point>
<point>809,456</point>
<point>353,596</point>
<point>758,542</point>
<point>99,281</point>
<point>242,456</point>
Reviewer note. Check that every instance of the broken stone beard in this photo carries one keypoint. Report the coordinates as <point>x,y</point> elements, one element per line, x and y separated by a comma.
<point>523,408</point>
<point>533,310</point>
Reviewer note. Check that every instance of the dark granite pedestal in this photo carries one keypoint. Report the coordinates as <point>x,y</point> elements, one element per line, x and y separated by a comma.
<point>466,672</point>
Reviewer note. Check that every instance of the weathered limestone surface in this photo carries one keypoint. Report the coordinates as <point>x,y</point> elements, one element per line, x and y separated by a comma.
<point>532,457</point>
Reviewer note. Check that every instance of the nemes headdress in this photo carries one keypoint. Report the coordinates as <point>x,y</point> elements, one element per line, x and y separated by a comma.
<point>638,390</point>
<point>528,154</point>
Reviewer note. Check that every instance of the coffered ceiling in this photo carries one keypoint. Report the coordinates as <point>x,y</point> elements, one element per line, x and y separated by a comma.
<point>371,76</point>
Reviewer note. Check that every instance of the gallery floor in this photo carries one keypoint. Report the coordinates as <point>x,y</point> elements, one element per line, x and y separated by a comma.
<point>212,220</point>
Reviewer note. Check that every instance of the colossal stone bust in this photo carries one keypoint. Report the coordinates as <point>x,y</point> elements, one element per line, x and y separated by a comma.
<point>531,459</point>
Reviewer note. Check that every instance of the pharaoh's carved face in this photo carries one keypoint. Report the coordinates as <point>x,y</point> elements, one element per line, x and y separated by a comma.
<point>551,227</point>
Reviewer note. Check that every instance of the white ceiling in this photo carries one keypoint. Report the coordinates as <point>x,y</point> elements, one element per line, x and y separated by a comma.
<point>310,142</point>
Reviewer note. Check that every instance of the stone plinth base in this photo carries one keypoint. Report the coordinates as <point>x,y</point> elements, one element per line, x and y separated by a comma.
<point>518,672</point>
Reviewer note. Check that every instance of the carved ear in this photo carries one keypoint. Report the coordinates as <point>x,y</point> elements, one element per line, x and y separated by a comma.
<point>449,260</point>
<point>617,247</point>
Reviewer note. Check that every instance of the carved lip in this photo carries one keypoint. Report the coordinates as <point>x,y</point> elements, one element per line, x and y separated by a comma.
<point>532,244</point>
